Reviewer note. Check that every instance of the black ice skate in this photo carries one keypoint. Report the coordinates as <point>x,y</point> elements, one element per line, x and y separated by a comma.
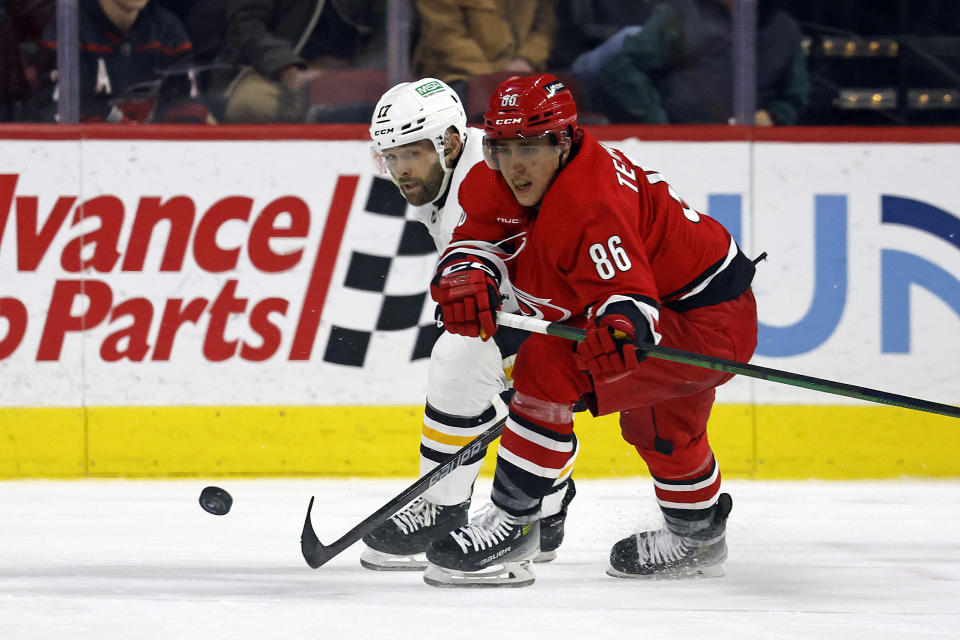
<point>494,550</point>
<point>551,526</point>
<point>681,549</point>
<point>400,542</point>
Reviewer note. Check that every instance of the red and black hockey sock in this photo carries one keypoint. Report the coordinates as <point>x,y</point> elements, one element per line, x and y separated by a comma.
<point>687,501</point>
<point>532,456</point>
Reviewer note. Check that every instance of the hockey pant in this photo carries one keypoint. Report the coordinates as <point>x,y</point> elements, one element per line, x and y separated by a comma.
<point>465,379</point>
<point>663,407</point>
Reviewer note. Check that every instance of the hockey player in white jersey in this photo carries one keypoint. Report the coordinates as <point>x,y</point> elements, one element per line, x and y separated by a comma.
<point>421,140</point>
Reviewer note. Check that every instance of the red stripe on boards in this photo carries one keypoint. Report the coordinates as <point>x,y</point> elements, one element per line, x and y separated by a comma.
<point>319,284</point>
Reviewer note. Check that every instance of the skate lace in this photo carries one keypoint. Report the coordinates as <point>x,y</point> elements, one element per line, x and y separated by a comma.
<point>660,547</point>
<point>488,528</point>
<point>418,515</point>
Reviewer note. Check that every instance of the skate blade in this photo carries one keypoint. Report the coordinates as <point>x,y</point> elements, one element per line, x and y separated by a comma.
<point>378,561</point>
<point>508,574</point>
<point>545,556</point>
<point>715,571</point>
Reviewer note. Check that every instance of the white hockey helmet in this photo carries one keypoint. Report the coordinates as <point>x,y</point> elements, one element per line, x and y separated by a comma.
<point>413,111</point>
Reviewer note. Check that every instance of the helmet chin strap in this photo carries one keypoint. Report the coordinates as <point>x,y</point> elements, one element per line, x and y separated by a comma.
<point>447,171</point>
<point>562,162</point>
<point>561,159</point>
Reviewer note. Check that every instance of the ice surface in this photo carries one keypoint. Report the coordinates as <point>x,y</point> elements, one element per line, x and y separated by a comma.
<point>141,560</point>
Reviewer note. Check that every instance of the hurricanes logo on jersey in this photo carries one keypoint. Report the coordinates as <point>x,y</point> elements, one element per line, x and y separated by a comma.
<point>540,308</point>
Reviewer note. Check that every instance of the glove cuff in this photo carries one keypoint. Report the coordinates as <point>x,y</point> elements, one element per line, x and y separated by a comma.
<point>460,262</point>
<point>628,311</point>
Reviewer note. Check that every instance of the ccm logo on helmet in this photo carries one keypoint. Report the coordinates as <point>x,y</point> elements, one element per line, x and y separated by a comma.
<point>509,121</point>
<point>383,131</point>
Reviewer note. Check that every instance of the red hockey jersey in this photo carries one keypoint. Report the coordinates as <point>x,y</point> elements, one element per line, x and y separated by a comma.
<point>606,230</point>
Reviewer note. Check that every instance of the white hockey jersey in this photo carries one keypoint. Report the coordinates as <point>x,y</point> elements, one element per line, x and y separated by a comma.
<point>441,222</point>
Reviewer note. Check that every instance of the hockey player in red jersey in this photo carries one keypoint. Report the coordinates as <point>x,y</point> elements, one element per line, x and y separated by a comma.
<point>422,142</point>
<point>588,237</point>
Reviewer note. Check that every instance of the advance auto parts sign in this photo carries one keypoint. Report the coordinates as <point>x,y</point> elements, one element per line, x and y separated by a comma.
<point>284,273</point>
<point>188,273</point>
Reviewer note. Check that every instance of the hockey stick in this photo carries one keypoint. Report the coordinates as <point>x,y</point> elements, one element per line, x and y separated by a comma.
<point>558,330</point>
<point>317,554</point>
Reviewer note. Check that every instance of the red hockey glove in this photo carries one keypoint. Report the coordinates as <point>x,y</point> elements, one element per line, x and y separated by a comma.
<point>469,299</point>
<point>609,350</point>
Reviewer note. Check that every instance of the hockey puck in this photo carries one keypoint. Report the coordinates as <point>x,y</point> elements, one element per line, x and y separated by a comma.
<point>216,501</point>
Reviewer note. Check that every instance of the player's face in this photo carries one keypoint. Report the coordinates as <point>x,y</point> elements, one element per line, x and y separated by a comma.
<point>529,166</point>
<point>416,169</point>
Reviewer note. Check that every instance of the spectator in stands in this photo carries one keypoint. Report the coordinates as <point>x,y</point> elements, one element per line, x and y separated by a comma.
<point>678,68</point>
<point>206,24</point>
<point>462,38</point>
<point>285,45</point>
<point>134,65</point>
<point>583,25</point>
<point>21,27</point>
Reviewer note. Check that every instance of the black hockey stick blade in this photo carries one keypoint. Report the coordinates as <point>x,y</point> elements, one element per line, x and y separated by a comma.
<point>558,330</point>
<point>317,554</point>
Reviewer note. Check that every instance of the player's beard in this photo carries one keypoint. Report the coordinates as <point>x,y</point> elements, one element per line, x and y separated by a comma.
<point>429,187</point>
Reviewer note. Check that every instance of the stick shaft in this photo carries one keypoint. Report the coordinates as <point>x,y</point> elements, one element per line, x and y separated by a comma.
<point>556,329</point>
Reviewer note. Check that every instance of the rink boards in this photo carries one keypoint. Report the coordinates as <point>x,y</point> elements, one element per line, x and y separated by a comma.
<point>244,301</point>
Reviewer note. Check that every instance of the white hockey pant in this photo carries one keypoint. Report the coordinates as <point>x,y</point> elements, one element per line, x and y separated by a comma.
<point>464,382</point>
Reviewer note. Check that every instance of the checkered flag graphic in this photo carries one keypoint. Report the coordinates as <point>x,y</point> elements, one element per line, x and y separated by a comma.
<point>391,263</point>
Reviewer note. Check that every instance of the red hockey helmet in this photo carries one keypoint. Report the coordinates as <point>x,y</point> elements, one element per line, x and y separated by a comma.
<point>530,107</point>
